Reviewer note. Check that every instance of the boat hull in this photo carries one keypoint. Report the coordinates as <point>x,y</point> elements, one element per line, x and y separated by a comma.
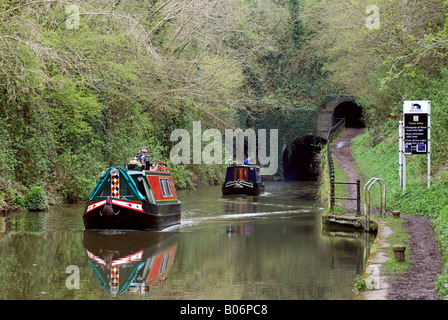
<point>152,218</point>
<point>255,190</point>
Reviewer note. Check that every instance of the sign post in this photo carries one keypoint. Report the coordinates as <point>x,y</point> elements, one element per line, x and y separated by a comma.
<point>400,154</point>
<point>415,135</point>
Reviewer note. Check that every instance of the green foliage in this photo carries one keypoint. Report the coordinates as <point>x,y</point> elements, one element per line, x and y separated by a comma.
<point>283,73</point>
<point>442,286</point>
<point>292,123</point>
<point>16,199</point>
<point>360,283</point>
<point>35,199</point>
<point>75,110</point>
<point>324,180</point>
<point>7,158</point>
<point>76,175</point>
<point>74,101</point>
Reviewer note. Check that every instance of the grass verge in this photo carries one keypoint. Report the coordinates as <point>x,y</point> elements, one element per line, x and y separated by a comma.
<point>392,268</point>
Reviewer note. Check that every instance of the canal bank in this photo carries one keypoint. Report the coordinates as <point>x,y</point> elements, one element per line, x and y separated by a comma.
<point>374,270</point>
<point>376,285</point>
<point>418,282</point>
<point>422,259</point>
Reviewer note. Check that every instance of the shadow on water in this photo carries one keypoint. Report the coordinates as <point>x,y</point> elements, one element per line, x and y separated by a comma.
<point>234,247</point>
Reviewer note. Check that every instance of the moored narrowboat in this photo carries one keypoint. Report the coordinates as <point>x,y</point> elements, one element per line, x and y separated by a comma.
<point>243,179</point>
<point>133,199</point>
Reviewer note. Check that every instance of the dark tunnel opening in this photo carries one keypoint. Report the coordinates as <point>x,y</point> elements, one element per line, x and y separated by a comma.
<point>352,114</point>
<point>300,161</point>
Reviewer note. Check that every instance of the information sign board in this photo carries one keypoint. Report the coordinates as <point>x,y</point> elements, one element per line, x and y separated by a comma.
<point>416,125</point>
<point>414,136</point>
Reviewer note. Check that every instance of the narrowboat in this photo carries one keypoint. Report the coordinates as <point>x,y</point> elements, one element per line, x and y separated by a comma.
<point>133,198</point>
<point>130,261</point>
<point>243,179</point>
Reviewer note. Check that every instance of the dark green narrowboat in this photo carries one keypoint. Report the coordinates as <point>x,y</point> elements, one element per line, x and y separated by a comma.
<point>133,199</point>
<point>243,179</point>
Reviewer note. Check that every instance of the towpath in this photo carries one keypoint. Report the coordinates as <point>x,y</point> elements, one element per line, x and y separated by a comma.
<point>419,282</point>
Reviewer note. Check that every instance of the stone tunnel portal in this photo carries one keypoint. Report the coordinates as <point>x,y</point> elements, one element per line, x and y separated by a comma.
<point>300,161</point>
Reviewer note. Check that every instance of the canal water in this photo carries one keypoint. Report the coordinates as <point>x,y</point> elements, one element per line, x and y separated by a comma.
<point>230,248</point>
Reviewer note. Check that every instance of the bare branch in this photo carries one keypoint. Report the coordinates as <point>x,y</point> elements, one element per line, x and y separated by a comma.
<point>149,47</point>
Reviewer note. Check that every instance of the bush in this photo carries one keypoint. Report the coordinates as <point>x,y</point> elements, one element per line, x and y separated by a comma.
<point>35,199</point>
<point>16,199</point>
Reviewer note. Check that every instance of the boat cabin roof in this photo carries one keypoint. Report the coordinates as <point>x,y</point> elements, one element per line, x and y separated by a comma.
<point>243,172</point>
<point>146,185</point>
<point>127,185</point>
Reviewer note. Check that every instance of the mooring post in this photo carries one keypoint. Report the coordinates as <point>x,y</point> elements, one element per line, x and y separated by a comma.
<point>399,252</point>
<point>396,214</point>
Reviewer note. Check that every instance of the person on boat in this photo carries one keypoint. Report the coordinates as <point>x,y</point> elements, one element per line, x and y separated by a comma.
<point>247,161</point>
<point>140,157</point>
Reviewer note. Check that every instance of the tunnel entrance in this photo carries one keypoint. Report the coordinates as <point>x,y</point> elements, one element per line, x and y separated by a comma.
<point>351,112</point>
<point>300,160</point>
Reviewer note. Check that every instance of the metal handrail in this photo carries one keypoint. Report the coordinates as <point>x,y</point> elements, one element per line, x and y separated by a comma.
<point>382,199</point>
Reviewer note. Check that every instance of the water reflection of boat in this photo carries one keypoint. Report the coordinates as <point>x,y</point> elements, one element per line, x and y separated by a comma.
<point>130,260</point>
<point>133,199</point>
<point>240,230</point>
<point>239,204</point>
<point>243,179</point>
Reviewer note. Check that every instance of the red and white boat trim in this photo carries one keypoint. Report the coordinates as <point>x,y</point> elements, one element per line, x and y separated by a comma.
<point>95,205</point>
<point>137,206</point>
<point>135,257</point>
